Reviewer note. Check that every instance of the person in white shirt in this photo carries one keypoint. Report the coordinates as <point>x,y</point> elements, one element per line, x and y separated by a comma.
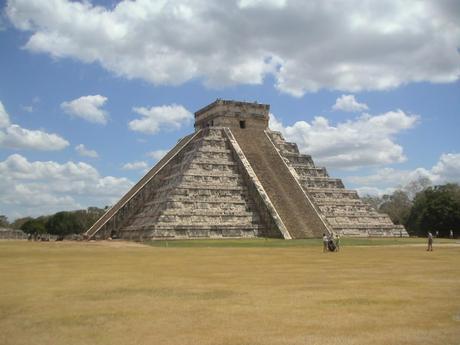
<point>430,242</point>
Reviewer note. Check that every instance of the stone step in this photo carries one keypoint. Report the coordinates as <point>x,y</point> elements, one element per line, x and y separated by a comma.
<point>184,187</point>
<point>205,219</point>
<point>204,180</point>
<point>364,221</point>
<point>213,156</point>
<point>207,212</point>
<point>339,202</point>
<point>213,149</point>
<point>210,167</point>
<point>199,172</point>
<point>214,162</point>
<point>331,191</point>
<point>318,179</point>
<point>324,183</point>
<point>342,209</point>
<point>237,199</point>
<point>203,165</point>
<point>376,227</point>
<point>187,220</point>
<point>211,227</point>
<point>351,214</point>
<point>298,158</point>
<point>371,232</point>
<point>281,144</point>
<point>239,205</point>
<point>294,209</point>
<point>172,233</point>
<point>207,193</point>
<point>302,165</point>
<point>312,172</point>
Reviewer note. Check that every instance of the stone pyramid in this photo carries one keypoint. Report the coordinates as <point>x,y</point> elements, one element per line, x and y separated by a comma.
<point>235,178</point>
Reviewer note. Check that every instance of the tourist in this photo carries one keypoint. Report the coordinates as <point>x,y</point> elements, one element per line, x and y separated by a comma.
<point>430,242</point>
<point>451,234</point>
<point>330,243</point>
<point>437,234</point>
<point>325,240</point>
<point>337,243</point>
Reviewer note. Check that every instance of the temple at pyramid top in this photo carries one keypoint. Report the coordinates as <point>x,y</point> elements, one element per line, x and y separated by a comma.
<point>235,178</point>
<point>233,114</point>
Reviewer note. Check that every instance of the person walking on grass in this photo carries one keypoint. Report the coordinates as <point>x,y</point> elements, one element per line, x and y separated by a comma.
<point>325,240</point>
<point>430,242</point>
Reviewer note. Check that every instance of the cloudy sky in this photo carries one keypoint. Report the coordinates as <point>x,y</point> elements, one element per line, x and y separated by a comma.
<point>93,93</point>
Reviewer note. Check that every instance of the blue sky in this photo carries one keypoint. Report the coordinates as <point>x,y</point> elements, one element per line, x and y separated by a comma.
<point>91,93</point>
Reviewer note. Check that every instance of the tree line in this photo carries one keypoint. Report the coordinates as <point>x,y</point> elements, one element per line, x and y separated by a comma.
<point>421,208</point>
<point>61,223</point>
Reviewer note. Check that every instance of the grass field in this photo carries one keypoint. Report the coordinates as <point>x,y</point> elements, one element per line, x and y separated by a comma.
<point>229,292</point>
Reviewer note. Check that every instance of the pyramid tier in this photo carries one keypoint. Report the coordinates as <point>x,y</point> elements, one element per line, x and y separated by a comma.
<point>343,210</point>
<point>202,195</point>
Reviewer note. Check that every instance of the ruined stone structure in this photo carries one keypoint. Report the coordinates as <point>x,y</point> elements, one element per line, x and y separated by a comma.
<point>235,178</point>
<point>12,234</point>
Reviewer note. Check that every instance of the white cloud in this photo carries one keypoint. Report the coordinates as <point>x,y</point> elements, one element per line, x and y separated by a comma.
<point>389,177</point>
<point>261,3</point>
<point>135,166</point>
<point>305,46</point>
<point>156,118</point>
<point>364,141</point>
<point>45,187</point>
<point>83,151</point>
<point>384,181</point>
<point>374,191</point>
<point>447,169</point>
<point>157,154</point>
<point>348,103</point>
<point>15,137</point>
<point>4,117</point>
<point>88,108</point>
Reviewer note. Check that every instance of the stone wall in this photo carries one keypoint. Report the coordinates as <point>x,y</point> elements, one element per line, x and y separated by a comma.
<point>232,114</point>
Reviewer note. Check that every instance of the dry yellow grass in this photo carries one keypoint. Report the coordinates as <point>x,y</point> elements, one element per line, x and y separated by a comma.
<point>79,293</point>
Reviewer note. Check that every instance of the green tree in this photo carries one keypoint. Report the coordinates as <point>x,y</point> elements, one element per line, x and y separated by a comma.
<point>34,226</point>
<point>64,223</point>
<point>436,209</point>
<point>397,206</point>
<point>4,223</point>
<point>19,222</point>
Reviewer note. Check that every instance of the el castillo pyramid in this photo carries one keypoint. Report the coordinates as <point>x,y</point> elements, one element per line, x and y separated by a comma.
<point>235,178</point>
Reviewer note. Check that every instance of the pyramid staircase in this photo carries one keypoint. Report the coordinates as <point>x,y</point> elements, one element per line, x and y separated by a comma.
<point>293,205</point>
